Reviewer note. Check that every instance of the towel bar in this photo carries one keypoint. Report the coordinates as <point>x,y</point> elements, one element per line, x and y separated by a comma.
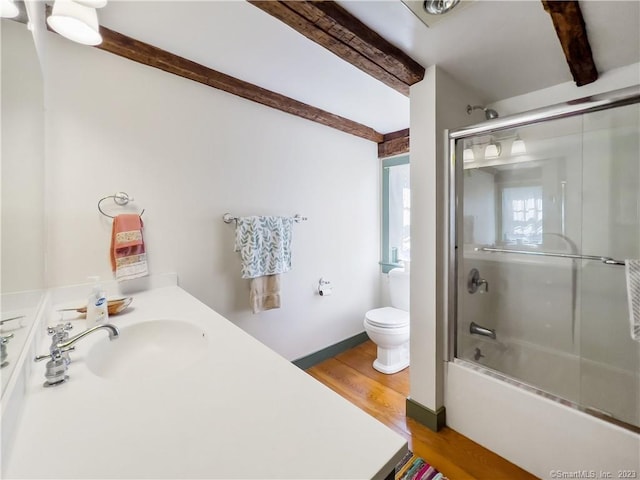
<point>606,260</point>
<point>228,218</point>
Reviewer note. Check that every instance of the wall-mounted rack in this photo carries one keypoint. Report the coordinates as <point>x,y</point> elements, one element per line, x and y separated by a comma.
<point>119,198</point>
<point>605,260</point>
<point>228,218</point>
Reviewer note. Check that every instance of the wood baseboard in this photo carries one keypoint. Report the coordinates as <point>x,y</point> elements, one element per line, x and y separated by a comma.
<point>434,421</point>
<point>330,351</point>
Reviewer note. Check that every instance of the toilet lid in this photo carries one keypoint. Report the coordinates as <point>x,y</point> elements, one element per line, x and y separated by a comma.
<point>387,317</point>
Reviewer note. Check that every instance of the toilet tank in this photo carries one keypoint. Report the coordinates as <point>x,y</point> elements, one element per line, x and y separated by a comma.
<point>399,288</point>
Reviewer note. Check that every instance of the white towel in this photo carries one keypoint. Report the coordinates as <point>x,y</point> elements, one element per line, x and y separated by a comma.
<point>632,268</point>
<point>264,293</point>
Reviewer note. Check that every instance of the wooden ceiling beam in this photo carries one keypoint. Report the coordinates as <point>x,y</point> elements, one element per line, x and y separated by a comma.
<point>394,143</point>
<point>331,26</point>
<point>152,56</point>
<point>572,33</point>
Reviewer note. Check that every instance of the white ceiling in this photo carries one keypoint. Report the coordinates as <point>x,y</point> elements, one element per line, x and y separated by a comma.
<point>500,48</point>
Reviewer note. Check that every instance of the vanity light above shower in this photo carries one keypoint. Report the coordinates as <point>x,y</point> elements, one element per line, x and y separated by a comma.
<point>497,149</point>
<point>493,146</point>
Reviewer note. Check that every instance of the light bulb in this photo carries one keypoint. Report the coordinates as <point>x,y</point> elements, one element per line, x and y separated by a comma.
<point>518,147</point>
<point>467,155</point>
<point>493,150</point>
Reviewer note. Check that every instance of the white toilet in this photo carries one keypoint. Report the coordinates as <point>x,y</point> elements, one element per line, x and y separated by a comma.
<point>388,327</point>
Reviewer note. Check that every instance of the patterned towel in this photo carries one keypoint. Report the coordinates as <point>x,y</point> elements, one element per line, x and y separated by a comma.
<point>264,244</point>
<point>128,257</point>
<point>632,269</point>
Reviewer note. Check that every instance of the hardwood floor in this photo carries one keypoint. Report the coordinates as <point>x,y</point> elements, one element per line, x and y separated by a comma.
<point>383,396</point>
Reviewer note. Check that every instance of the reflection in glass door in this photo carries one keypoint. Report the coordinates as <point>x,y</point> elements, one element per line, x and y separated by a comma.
<point>539,209</point>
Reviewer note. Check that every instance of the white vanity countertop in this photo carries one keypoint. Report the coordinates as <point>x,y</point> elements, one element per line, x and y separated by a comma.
<point>240,411</point>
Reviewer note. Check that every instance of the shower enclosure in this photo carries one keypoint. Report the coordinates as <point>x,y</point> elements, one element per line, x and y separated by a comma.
<point>545,209</point>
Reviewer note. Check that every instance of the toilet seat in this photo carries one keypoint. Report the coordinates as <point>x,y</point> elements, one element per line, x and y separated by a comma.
<point>387,317</point>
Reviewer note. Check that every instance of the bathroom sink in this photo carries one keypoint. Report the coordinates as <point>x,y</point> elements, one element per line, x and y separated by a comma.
<point>148,349</point>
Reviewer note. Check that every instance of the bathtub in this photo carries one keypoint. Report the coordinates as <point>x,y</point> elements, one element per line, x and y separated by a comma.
<point>558,390</point>
<point>580,383</point>
<point>539,434</point>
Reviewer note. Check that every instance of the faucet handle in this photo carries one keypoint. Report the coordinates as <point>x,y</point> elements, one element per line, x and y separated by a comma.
<point>60,328</point>
<point>53,355</point>
<point>475,283</point>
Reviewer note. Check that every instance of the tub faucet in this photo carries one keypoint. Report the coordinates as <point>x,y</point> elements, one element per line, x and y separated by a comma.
<point>61,344</point>
<point>476,329</point>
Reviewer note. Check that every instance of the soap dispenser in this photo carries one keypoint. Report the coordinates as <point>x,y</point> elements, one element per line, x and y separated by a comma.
<point>97,305</point>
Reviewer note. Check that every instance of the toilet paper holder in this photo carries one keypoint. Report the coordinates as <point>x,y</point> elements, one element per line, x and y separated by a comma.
<point>324,287</point>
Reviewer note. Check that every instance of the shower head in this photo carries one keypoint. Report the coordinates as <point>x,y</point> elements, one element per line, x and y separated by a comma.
<point>489,113</point>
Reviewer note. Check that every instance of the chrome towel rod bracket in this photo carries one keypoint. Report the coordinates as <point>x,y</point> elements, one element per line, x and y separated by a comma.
<point>119,198</point>
<point>228,218</point>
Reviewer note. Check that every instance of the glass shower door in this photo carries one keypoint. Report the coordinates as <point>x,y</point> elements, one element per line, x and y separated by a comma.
<point>538,208</point>
<point>516,208</point>
<point>610,358</point>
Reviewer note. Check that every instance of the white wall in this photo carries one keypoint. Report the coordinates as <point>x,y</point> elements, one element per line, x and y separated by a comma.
<point>437,103</point>
<point>22,161</point>
<point>613,80</point>
<point>188,154</point>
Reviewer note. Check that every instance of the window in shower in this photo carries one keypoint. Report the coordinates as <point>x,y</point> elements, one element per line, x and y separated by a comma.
<point>522,215</point>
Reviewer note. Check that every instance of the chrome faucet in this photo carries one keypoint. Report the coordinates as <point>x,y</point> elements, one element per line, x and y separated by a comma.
<point>476,329</point>
<point>112,329</point>
<point>61,344</point>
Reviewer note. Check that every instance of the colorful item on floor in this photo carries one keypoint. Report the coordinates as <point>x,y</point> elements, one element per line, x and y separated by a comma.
<point>412,467</point>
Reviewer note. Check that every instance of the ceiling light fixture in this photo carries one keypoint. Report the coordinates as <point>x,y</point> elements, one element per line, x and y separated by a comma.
<point>8,9</point>
<point>518,147</point>
<point>76,22</point>
<point>438,7</point>
<point>493,150</point>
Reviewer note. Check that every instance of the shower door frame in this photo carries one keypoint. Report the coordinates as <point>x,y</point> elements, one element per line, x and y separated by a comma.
<point>605,101</point>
